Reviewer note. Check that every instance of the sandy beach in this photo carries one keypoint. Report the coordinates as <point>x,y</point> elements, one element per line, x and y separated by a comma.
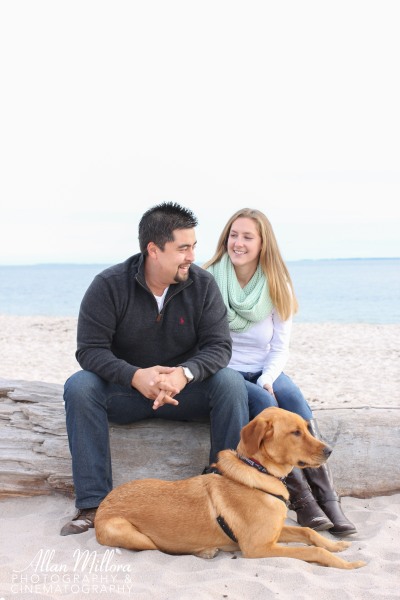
<point>335,365</point>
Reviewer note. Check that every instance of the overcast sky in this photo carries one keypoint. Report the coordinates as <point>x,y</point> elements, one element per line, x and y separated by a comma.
<point>110,107</point>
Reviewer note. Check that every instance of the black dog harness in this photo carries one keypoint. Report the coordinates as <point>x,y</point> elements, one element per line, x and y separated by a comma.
<point>226,529</point>
<point>256,465</point>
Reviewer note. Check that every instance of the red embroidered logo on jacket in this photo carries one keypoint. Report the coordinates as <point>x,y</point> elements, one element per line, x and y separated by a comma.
<point>181,321</point>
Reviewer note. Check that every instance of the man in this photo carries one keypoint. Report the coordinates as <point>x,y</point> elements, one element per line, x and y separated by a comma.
<point>153,341</point>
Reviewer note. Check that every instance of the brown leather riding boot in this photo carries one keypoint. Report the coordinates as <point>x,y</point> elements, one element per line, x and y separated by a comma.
<point>321,483</point>
<point>309,514</point>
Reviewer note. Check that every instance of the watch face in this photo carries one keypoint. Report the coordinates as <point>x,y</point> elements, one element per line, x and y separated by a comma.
<point>188,373</point>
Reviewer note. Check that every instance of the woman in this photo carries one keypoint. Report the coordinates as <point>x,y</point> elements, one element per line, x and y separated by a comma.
<point>260,300</point>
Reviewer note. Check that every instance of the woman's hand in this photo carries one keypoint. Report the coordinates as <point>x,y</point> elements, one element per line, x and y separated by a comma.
<point>269,389</point>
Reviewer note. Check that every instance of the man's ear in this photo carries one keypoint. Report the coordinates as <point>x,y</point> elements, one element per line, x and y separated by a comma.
<point>152,249</point>
<point>252,435</point>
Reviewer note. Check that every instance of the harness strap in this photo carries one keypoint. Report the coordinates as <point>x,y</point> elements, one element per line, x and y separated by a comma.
<point>256,465</point>
<point>226,529</point>
<point>281,498</point>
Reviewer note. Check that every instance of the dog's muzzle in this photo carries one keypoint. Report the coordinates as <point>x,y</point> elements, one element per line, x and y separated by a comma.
<point>326,452</point>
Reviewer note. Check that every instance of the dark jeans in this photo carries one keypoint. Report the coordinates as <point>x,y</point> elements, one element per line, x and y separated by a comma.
<point>90,402</point>
<point>287,396</point>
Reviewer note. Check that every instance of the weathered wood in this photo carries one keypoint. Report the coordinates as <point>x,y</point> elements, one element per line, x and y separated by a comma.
<point>35,458</point>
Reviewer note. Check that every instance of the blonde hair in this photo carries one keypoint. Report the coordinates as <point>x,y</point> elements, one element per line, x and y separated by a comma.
<point>280,284</point>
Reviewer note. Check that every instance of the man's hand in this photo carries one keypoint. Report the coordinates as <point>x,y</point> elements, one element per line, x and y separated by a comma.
<point>160,384</point>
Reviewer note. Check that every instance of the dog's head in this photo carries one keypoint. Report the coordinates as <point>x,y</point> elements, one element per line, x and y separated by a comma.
<point>279,437</point>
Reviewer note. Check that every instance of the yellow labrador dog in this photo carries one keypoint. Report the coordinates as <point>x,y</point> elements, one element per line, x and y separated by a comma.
<point>242,507</point>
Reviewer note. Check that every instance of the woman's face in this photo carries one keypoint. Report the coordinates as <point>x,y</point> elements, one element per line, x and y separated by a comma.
<point>244,243</point>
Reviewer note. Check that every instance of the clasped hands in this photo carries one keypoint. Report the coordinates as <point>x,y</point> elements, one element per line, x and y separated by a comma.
<point>160,384</point>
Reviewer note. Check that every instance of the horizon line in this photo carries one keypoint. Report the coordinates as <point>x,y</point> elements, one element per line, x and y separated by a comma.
<point>88,264</point>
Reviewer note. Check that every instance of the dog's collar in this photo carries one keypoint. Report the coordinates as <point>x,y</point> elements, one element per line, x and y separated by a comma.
<point>256,465</point>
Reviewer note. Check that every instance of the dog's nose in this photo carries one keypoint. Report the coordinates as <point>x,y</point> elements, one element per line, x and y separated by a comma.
<point>327,451</point>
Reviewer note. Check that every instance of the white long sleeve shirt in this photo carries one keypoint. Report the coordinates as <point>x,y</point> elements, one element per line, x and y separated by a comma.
<point>263,347</point>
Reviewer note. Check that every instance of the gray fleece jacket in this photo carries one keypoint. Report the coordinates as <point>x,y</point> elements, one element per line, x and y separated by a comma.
<point>120,328</point>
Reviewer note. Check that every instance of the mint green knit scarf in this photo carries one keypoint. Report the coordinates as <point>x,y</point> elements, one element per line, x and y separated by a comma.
<point>246,305</point>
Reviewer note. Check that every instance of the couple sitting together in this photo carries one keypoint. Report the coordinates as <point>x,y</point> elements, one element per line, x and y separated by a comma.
<point>160,337</point>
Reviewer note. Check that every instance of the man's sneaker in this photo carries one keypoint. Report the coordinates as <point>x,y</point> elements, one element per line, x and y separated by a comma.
<point>81,522</point>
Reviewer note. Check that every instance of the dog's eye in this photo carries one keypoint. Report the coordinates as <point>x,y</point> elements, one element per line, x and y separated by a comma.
<point>297,433</point>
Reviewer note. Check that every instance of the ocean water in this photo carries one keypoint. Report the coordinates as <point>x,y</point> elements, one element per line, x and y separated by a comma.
<point>343,291</point>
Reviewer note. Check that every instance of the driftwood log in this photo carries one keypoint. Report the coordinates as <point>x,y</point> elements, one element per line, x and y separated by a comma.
<point>35,458</point>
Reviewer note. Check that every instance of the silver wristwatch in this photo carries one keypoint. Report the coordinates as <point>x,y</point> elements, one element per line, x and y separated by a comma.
<point>188,374</point>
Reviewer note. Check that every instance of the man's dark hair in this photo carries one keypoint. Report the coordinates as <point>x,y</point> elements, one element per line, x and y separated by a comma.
<point>159,222</point>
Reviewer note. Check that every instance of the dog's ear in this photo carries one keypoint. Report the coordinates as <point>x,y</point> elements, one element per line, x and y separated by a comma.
<point>252,435</point>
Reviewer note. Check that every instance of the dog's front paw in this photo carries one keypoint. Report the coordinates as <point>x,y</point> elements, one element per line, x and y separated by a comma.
<point>359,563</point>
<point>207,553</point>
<point>356,564</point>
<point>339,546</point>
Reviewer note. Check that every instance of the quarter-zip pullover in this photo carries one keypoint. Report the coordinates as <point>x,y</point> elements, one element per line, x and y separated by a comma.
<point>120,328</point>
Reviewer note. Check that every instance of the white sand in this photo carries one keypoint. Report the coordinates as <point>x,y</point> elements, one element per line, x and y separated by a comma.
<point>33,554</point>
<point>333,364</point>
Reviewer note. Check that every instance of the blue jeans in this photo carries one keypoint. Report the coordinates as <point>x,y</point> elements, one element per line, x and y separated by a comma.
<point>287,396</point>
<point>90,402</point>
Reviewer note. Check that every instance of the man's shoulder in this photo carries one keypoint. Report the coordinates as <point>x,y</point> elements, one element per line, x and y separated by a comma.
<point>197,273</point>
<point>129,267</point>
